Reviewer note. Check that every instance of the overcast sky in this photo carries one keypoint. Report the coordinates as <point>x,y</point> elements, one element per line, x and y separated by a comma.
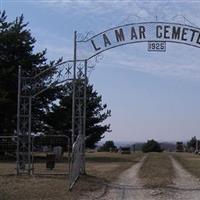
<point>151,94</point>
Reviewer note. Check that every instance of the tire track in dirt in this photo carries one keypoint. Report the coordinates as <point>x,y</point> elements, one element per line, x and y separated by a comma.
<point>122,188</point>
<point>188,187</point>
<point>128,186</point>
<point>132,187</point>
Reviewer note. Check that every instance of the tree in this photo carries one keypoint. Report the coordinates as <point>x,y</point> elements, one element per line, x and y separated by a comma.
<point>107,146</point>
<point>192,144</point>
<point>58,120</point>
<point>151,146</point>
<point>17,48</point>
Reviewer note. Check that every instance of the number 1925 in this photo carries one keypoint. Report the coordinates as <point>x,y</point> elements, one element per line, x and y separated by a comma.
<point>156,46</point>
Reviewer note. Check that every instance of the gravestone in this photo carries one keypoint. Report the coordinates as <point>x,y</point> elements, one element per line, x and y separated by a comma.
<point>57,150</point>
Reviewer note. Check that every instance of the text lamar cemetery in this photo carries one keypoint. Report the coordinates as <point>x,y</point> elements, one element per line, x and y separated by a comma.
<point>141,32</point>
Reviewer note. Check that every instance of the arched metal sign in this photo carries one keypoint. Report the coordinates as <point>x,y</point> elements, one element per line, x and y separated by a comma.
<point>156,34</point>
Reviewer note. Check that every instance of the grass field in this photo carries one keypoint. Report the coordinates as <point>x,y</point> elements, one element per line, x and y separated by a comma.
<point>190,162</point>
<point>100,167</point>
<point>157,170</point>
<point>107,166</point>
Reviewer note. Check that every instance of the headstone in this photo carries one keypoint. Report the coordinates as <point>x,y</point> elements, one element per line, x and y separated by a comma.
<point>45,149</point>
<point>50,161</point>
<point>58,152</point>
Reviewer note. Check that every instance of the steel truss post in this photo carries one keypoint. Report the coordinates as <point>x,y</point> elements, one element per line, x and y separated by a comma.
<point>24,155</point>
<point>18,118</point>
<point>74,89</point>
<point>77,162</point>
<point>80,119</point>
<point>84,114</point>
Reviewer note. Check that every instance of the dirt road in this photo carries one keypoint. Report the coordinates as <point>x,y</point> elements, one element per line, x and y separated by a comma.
<point>129,187</point>
<point>188,187</point>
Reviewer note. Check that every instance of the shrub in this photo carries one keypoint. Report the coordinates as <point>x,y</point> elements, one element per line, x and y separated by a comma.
<point>108,146</point>
<point>151,146</point>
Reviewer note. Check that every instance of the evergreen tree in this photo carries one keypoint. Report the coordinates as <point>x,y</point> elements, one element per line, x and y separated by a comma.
<point>17,49</point>
<point>192,144</point>
<point>58,121</point>
<point>151,146</point>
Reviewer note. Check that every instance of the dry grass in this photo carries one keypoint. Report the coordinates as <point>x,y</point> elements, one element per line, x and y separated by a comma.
<point>108,166</point>
<point>190,162</point>
<point>100,167</point>
<point>157,170</point>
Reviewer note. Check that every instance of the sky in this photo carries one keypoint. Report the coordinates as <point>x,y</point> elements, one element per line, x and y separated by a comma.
<point>152,95</point>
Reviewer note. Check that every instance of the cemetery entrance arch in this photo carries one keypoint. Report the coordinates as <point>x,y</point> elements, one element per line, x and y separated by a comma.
<point>155,34</point>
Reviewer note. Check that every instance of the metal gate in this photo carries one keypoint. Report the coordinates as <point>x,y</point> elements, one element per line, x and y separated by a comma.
<point>77,162</point>
<point>28,89</point>
<point>30,86</point>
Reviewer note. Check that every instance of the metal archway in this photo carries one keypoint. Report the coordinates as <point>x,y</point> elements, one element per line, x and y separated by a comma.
<point>149,32</point>
<point>155,34</point>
